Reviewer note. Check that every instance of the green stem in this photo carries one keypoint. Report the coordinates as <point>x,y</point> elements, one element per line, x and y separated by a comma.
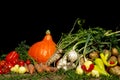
<point>73,26</point>
<point>109,34</point>
<point>70,42</point>
<point>74,47</point>
<point>84,51</point>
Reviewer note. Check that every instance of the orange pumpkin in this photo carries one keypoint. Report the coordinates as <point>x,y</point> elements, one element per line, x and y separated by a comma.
<point>41,51</point>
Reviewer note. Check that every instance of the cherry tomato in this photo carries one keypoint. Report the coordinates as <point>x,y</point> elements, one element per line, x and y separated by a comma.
<point>8,65</point>
<point>21,63</point>
<point>5,70</point>
<point>27,61</point>
<point>2,62</point>
<point>1,72</point>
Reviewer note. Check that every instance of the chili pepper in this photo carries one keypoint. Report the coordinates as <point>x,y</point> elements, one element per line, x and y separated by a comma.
<point>104,59</point>
<point>112,62</point>
<point>100,67</point>
<point>12,57</point>
<point>88,66</point>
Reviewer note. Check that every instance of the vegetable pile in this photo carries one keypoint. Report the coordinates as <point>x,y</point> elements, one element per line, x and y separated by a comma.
<point>92,51</point>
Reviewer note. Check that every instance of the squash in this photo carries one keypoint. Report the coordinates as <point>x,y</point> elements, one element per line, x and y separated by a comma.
<point>42,50</point>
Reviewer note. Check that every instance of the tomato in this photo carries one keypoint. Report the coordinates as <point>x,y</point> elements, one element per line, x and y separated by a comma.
<point>21,63</point>
<point>9,65</point>
<point>2,62</point>
<point>27,61</point>
<point>1,72</point>
<point>5,70</point>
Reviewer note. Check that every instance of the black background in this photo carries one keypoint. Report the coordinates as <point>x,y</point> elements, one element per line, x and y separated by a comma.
<point>18,24</point>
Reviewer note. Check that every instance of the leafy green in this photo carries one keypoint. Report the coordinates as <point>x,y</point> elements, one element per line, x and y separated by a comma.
<point>22,49</point>
<point>100,38</point>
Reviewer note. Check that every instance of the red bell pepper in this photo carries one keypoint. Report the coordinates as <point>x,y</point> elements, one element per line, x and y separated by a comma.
<point>12,57</point>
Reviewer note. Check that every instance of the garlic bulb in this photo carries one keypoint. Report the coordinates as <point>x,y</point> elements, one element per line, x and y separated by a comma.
<point>62,62</point>
<point>72,56</point>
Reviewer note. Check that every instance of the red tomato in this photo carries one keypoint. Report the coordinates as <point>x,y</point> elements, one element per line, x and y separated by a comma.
<point>21,63</point>
<point>2,62</point>
<point>1,72</point>
<point>27,61</point>
<point>8,65</point>
<point>5,70</point>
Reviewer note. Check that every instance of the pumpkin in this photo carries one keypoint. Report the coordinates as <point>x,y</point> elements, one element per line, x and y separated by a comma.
<point>42,50</point>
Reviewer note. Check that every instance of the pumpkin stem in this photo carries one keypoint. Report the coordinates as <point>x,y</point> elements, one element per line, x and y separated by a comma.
<point>48,31</point>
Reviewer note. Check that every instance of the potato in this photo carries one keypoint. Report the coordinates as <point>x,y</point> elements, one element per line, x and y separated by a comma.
<point>118,58</point>
<point>114,52</point>
<point>93,55</point>
<point>115,70</point>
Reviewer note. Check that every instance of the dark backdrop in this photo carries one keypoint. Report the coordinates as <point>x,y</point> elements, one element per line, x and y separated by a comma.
<point>16,27</point>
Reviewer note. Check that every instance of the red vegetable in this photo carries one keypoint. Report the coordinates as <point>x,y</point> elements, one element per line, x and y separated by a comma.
<point>89,69</point>
<point>27,61</point>
<point>21,63</point>
<point>2,63</point>
<point>8,65</point>
<point>112,62</point>
<point>12,57</point>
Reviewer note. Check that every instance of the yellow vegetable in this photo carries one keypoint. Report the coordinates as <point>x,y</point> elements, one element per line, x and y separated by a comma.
<point>95,73</point>
<point>15,68</point>
<point>22,70</point>
<point>79,70</point>
<point>104,59</point>
<point>100,67</point>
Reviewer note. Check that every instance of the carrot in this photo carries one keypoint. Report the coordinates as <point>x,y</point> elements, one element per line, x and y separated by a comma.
<point>38,67</point>
<point>31,68</point>
<point>26,66</point>
<point>55,57</point>
<point>53,69</point>
<point>46,67</point>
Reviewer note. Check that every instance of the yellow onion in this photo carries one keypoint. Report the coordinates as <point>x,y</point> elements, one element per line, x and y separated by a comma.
<point>79,70</point>
<point>22,70</point>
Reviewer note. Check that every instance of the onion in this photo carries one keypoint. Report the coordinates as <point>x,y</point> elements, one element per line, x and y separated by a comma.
<point>72,56</point>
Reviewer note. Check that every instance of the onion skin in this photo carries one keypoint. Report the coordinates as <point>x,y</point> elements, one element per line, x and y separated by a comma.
<point>72,56</point>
